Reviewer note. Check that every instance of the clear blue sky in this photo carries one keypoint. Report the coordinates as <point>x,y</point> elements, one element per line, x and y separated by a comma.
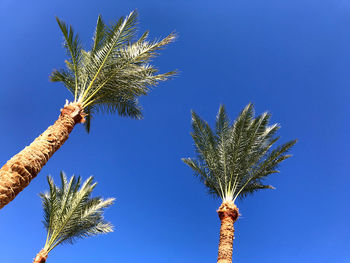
<point>289,57</point>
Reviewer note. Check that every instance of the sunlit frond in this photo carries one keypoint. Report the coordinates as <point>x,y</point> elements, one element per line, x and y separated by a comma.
<point>71,213</point>
<point>115,72</point>
<point>233,160</point>
<point>73,46</point>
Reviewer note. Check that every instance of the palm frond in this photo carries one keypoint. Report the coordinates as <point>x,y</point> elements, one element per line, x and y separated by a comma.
<point>222,123</point>
<point>116,71</point>
<point>116,36</point>
<point>99,35</point>
<point>71,213</point>
<point>252,188</point>
<point>233,161</point>
<point>73,45</point>
<point>88,117</point>
<point>66,77</point>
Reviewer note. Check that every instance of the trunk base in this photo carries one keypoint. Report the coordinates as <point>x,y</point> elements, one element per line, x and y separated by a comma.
<point>228,209</point>
<point>41,257</point>
<point>228,214</point>
<point>75,111</point>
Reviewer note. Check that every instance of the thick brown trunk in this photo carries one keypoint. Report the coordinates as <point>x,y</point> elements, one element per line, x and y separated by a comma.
<point>17,173</point>
<point>41,257</point>
<point>228,213</point>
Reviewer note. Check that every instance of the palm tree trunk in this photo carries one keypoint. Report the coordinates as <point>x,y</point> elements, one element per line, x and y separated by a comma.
<point>17,173</point>
<point>41,257</point>
<point>228,214</point>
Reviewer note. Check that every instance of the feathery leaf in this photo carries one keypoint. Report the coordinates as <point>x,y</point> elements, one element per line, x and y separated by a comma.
<point>233,161</point>
<point>115,72</point>
<point>71,213</point>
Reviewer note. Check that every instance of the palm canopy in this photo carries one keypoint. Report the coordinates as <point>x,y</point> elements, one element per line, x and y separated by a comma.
<point>233,160</point>
<point>115,71</point>
<point>71,213</point>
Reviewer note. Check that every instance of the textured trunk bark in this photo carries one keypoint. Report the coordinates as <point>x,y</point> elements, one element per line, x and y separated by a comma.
<point>41,257</point>
<point>17,173</point>
<point>228,214</point>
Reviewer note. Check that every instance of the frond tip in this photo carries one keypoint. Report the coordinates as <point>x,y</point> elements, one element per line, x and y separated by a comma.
<point>233,160</point>
<point>115,71</point>
<point>71,213</point>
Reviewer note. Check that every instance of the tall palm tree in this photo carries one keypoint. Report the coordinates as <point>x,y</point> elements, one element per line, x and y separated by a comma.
<point>71,213</point>
<point>233,160</point>
<point>110,77</point>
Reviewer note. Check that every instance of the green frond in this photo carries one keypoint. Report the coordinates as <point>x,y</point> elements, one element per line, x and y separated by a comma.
<point>102,61</point>
<point>88,117</point>
<point>71,213</point>
<point>65,77</point>
<point>222,122</point>
<point>73,46</point>
<point>233,161</point>
<point>116,71</point>
<point>99,35</point>
<point>271,161</point>
<point>252,188</point>
<point>205,176</point>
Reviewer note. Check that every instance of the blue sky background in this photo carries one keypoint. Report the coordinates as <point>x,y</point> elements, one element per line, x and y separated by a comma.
<point>289,57</point>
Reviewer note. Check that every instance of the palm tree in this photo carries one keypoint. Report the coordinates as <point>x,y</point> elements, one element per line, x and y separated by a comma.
<point>110,77</point>
<point>233,160</point>
<point>71,213</point>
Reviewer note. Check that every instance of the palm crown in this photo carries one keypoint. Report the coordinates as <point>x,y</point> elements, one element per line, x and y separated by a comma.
<point>234,160</point>
<point>115,72</point>
<point>70,212</point>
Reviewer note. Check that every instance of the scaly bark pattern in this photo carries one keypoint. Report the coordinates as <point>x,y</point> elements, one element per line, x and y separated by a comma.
<point>41,257</point>
<point>17,173</point>
<point>228,214</point>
